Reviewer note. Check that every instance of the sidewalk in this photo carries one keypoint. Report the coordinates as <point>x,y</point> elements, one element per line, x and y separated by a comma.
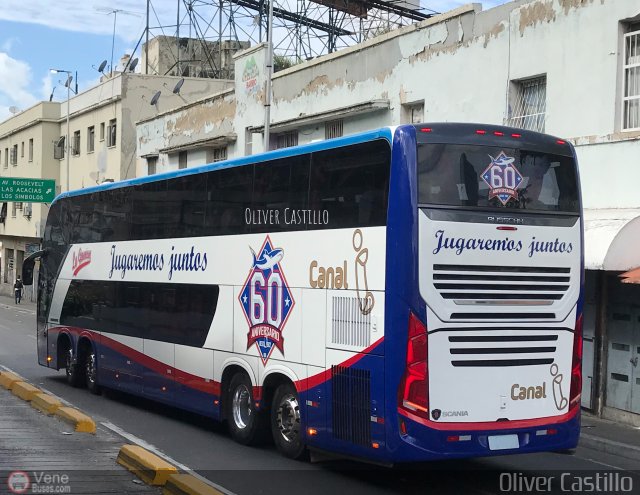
<point>24,304</point>
<point>49,455</point>
<point>610,437</point>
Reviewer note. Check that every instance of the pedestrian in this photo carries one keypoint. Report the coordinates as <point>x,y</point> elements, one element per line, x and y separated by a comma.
<point>17,290</point>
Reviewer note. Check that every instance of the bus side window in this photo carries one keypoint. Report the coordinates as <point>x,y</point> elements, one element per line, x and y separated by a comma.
<point>351,184</point>
<point>277,185</point>
<point>228,196</point>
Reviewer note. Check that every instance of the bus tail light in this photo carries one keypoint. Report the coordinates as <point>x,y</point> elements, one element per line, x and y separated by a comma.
<point>576,366</point>
<point>414,384</point>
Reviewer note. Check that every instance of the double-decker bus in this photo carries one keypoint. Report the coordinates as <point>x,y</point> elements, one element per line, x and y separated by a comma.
<point>404,294</point>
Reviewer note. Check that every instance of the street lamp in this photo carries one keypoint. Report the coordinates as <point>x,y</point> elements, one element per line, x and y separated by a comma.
<point>67,139</point>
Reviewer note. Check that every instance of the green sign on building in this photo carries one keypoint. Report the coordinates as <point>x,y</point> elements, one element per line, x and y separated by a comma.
<point>27,190</point>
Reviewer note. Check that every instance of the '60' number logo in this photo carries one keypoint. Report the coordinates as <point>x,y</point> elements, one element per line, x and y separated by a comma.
<point>502,177</point>
<point>266,300</point>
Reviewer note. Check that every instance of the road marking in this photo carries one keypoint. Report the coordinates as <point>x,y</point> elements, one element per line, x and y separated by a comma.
<point>156,451</point>
<point>601,463</point>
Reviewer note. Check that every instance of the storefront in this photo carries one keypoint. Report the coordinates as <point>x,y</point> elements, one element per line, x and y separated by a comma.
<point>611,375</point>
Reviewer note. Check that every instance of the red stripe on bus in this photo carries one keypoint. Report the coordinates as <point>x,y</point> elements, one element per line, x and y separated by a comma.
<point>319,378</point>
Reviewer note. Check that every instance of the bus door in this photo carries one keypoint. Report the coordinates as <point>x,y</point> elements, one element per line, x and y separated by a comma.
<point>43,298</point>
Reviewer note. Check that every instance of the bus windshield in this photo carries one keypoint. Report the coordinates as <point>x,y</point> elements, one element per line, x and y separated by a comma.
<point>493,177</point>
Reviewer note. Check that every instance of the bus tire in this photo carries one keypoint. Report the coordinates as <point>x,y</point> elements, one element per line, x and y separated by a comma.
<point>72,370</point>
<point>91,372</point>
<point>246,423</point>
<point>286,424</point>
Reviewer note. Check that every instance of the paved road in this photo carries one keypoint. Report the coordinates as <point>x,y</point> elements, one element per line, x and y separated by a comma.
<point>204,446</point>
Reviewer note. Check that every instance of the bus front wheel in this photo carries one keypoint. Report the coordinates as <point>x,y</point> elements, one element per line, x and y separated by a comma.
<point>246,424</point>
<point>286,426</point>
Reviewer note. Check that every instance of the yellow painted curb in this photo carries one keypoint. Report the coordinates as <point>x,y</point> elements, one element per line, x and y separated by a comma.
<point>7,379</point>
<point>186,484</point>
<point>81,421</point>
<point>46,403</point>
<point>147,466</point>
<point>25,390</point>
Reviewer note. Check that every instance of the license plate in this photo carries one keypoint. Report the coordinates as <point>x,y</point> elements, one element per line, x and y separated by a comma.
<point>503,442</point>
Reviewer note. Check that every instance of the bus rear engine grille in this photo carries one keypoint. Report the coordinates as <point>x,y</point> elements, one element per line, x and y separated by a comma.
<point>351,404</point>
<point>498,351</point>
<point>501,285</point>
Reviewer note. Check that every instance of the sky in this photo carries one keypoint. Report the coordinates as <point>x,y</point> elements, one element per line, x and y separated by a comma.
<point>77,35</point>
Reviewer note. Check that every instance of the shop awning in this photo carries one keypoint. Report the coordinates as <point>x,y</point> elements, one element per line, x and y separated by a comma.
<point>612,239</point>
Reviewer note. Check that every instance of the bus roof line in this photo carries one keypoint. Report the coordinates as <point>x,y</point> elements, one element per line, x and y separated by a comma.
<point>384,133</point>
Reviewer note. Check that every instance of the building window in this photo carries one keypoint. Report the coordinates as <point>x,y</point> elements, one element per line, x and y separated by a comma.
<point>91,137</point>
<point>14,155</point>
<point>18,206</point>
<point>631,74</point>
<point>22,149</point>
<point>217,154</point>
<point>111,133</point>
<point>14,208</point>
<point>152,161</point>
<point>58,148</point>
<point>182,159</point>
<point>286,139</point>
<point>413,113</point>
<point>332,129</point>
<point>76,143</point>
<point>31,149</point>
<point>6,157</point>
<point>529,103</point>
<point>101,131</point>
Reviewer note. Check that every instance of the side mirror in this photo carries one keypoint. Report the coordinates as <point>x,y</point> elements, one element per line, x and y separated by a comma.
<point>27,266</point>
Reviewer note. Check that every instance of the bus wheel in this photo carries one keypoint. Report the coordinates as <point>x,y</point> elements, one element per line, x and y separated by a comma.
<point>74,376</point>
<point>286,426</point>
<point>246,424</point>
<point>91,372</point>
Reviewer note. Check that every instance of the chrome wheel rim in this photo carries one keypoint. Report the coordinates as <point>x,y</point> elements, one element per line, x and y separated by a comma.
<point>241,407</point>
<point>288,418</point>
<point>91,368</point>
<point>68,362</point>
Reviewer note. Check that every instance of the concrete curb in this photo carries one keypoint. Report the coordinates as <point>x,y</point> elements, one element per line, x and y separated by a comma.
<point>25,390</point>
<point>186,484</point>
<point>79,420</point>
<point>147,466</point>
<point>7,379</point>
<point>610,446</point>
<point>45,403</point>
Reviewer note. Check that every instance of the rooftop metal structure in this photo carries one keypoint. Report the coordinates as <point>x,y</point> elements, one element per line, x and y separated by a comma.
<point>302,29</point>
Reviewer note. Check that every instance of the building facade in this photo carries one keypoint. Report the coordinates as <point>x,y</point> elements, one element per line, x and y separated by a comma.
<point>565,67</point>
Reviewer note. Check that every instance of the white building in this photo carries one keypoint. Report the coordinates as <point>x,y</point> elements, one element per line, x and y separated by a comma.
<point>566,67</point>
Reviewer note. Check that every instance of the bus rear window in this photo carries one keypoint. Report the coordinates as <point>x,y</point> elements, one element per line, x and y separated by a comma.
<point>485,176</point>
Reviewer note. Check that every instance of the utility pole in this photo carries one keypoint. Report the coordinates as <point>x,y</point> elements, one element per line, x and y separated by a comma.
<point>67,147</point>
<point>269,72</point>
